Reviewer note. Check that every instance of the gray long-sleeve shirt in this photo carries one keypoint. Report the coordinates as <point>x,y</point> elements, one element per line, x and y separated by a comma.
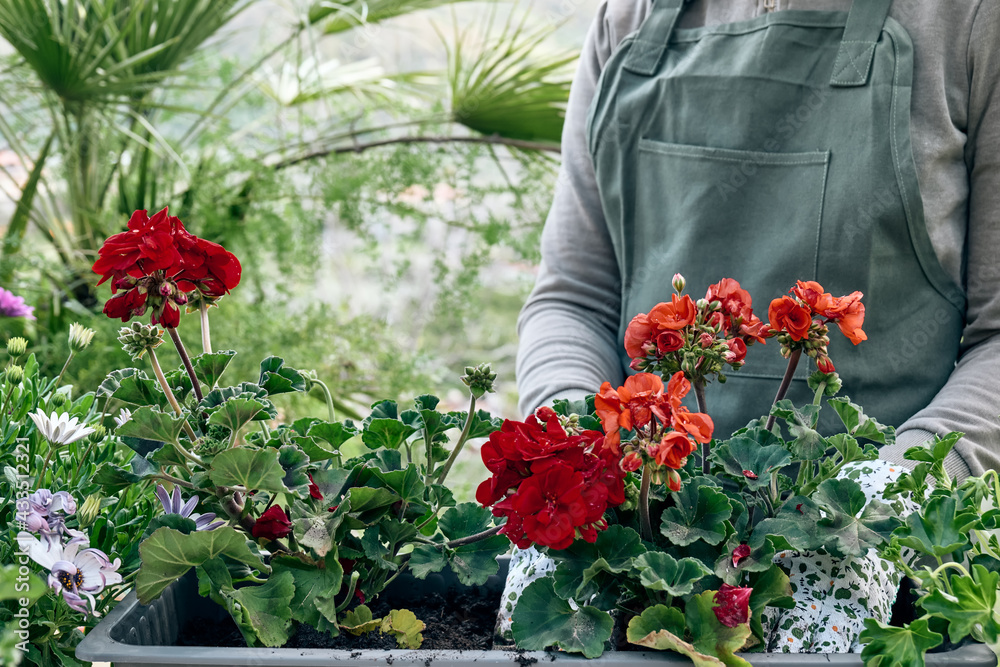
<point>569,326</point>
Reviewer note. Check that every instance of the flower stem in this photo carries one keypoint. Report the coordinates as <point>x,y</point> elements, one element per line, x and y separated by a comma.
<point>786,382</point>
<point>818,396</point>
<point>45,465</point>
<point>644,523</point>
<point>175,480</point>
<point>195,384</point>
<point>171,399</point>
<point>331,410</point>
<point>59,378</point>
<point>489,532</point>
<point>206,334</point>
<point>458,445</point>
<point>706,449</point>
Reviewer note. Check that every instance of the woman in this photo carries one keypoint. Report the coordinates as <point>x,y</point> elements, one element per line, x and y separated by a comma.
<point>856,144</point>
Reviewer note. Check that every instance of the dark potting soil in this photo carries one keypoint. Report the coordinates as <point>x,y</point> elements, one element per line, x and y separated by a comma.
<point>462,622</point>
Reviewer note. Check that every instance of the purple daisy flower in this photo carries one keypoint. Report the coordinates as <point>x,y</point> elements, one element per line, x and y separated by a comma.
<point>174,504</point>
<point>12,305</point>
<point>75,571</point>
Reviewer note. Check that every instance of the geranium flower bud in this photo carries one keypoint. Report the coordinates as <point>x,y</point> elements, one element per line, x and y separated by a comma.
<point>138,338</point>
<point>14,375</point>
<point>733,605</point>
<point>703,304</point>
<point>631,462</point>
<point>479,379</point>
<point>749,474</point>
<point>16,346</point>
<point>706,340</point>
<point>166,289</point>
<point>673,480</point>
<point>180,299</point>
<point>79,337</point>
<point>678,282</point>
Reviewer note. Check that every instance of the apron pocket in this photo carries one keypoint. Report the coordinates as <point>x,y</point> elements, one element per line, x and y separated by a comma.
<point>712,213</point>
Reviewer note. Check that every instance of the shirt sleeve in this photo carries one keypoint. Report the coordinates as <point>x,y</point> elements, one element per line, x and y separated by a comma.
<point>568,329</point>
<point>970,400</point>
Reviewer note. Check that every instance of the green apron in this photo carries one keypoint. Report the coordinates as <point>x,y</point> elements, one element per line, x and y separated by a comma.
<point>769,151</point>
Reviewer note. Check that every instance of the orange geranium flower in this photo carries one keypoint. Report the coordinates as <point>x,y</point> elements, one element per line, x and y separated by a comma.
<point>638,333</point>
<point>674,449</point>
<point>679,313</point>
<point>786,314</point>
<point>630,406</point>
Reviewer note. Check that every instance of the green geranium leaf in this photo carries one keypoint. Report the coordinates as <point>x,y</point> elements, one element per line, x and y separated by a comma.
<point>152,424</point>
<point>806,444</point>
<point>405,627</point>
<point>850,450</point>
<point>276,378</point>
<point>293,461</point>
<point>236,413</point>
<point>360,620</point>
<point>542,619</point>
<point>371,543</point>
<point>315,449</point>
<point>771,588</point>
<point>14,586</point>
<point>745,453</point>
<point>759,560</point>
<point>179,523</point>
<point>426,559</point>
<point>938,528</point>
<point>483,423</point>
<point>852,525</point>
<point>317,532</point>
<point>315,587</point>
<point>661,572</point>
<point>130,385</point>
<point>383,410</point>
<point>267,608</point>
<point>969,607</point>
<point>661,628</point>
<point>365,499</point>
<point>210,367</point>
<point>168,554</point>
<point>464,520</point>
<point>795,523</point>
<point>387,433</point>
<point>935,451</point>
<point>220,395</point>
<point>334,434</point>
<point>577,574</point>
<point>333,483</point>
<point>710,636</point>
<point>407,483</point>
<point>861,425</point>
<point>167,455</point>
<point>253,469</point>
<point>113,478</point>
<point>887,646</point>
<point>474,563</point>
<point>698,515</point>
<point>565,407</point>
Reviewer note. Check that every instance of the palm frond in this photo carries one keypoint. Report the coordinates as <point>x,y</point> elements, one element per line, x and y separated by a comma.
<point>337,17</point>
<point>509,85</point>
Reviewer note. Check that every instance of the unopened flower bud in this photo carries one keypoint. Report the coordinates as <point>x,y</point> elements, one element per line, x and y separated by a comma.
<point>79,337</point>
<point>166,289</point>
<point>702,304</point>
<point>14,374</point>
<point>58,400</point>
<point>678,282</point>
<point>138,338</point>
<point>180,299</point>
<point>17,346</point>
<point>98,434</point>
<point>479,379</point>
<point>88,512</point>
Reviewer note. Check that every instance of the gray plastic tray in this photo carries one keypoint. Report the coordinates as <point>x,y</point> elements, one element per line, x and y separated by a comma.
<point>134,635</point>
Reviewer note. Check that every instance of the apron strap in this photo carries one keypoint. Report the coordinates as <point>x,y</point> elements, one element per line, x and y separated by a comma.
<point>857,50</point>
<point>650,42</point>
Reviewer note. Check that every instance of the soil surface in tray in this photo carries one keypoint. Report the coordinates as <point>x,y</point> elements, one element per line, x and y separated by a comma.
<point>463,622</point>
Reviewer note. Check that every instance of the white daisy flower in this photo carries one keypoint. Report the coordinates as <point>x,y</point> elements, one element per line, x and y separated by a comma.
<point>123,416</point>
<point>59,429</point>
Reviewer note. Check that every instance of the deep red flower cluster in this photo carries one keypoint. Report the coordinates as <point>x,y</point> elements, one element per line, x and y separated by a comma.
<point>552,485</point>
<point>805,311</point>
<point>158,263</point>
<point>723,321</point>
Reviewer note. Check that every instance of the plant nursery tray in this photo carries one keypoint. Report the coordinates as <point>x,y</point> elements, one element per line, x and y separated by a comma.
<point>135,635</point>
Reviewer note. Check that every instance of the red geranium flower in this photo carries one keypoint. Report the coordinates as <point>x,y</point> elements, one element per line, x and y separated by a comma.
<point>732,605</point>
<point>314,491</point>
<point>787,314</point>
<point>272,524</point>
<point>739,553</point>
